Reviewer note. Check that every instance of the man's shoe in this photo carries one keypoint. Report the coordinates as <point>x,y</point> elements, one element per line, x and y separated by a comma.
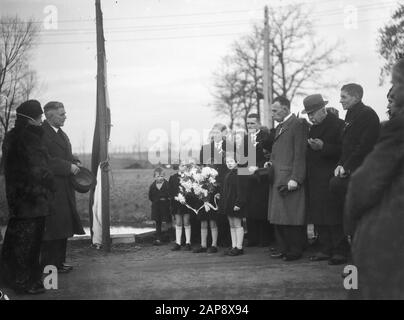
<point>337,259</point>
<point>240,251</point>
<point>157,242</point>
<point>176,247</point>
<point>200,250</point>
<point>62,269</point>
<point>277,255</point>
<point>291,257</point>
<point>212,249</point>
<point>188,247</point>
<point>67,266</point>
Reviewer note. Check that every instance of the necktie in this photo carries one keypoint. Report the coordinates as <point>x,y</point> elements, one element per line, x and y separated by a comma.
<point>279,129</point>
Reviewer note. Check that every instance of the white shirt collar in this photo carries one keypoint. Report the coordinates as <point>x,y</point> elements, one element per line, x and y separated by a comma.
<point>287,117</point>
<point>219,144</point>
<point>54,128</point>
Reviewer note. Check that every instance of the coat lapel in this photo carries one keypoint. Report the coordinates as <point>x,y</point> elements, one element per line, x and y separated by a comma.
<point>54,136</point>
<point>286,126</point>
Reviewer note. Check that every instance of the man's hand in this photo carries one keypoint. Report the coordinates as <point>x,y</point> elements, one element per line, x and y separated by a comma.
<point>292,185</point>
<point>316,144</point>
<point>339,172</point>
<point>267,164</point>
<point>236,208</point>
<point>74,169</point>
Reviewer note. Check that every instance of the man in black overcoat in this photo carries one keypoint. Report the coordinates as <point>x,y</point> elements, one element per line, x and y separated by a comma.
<point>361,131</point>
<point>65,221</point>
<point>259,229</point>
<point>323,153</point>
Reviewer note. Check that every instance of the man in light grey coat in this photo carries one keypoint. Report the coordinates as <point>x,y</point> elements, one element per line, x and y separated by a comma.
<point>286,207</point>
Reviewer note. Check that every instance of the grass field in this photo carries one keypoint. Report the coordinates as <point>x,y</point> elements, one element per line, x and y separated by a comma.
<point>129,203</point>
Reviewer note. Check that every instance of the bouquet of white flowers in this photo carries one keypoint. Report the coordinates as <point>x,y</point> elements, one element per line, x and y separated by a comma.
<point>199,183</point>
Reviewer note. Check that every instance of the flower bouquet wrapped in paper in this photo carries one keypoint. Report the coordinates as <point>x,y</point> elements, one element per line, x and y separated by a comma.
<point>200,184</point>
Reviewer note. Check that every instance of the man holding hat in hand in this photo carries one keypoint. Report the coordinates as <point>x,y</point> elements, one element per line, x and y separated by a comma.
<point>65,222</point>
<point>323,153</point>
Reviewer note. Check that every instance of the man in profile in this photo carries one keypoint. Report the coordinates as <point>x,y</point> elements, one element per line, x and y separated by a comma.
<point>362,126</point>
<point>65,221</point>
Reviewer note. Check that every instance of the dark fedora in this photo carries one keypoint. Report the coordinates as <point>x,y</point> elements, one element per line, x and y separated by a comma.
<point>83,181</point>
<point>313,103</point>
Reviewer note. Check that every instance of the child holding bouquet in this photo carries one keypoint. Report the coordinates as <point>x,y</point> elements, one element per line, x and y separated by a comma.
<point>181,213</point>
<point>208,214</point>
<point>234,194</point>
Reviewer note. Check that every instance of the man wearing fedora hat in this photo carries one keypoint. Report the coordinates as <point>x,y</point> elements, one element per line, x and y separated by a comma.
<point>65,222</point>
<point>323,153</point>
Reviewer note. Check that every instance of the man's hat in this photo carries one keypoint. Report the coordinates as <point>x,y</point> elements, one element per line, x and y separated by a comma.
<point>313,103</point>
<point>83,181</point>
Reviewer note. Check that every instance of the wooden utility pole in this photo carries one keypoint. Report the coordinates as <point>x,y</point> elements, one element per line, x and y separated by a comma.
<point>104,126</point>
<point>267,76</point>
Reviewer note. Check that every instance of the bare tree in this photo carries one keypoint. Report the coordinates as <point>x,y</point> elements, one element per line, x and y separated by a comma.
<point>391,42</point>
<point>300,59</point>
<point>17,80</point>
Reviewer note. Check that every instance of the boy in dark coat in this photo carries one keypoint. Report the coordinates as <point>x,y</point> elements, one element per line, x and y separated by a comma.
<point>160,199</point>
<point>234,200</point>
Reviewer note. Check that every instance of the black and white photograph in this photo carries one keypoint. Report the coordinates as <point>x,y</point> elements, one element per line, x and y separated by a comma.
<point>201,155</point>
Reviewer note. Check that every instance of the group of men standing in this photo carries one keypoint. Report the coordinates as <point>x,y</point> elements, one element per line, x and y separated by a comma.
<point>38,164</point>
<point>309,169</point>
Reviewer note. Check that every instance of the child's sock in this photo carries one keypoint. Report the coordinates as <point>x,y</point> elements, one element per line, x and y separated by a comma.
<point>233,237</point>
<point>178,234</point>
<point>239,237</point>
<point>214,236</point>
<point>187,234</point>
<point>204,237</point>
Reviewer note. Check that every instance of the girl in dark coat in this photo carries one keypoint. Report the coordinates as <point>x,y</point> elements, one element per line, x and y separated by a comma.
<point>234,202</point>
<point>160,199</point>
<point>29,190</point>
<point>181,213</point>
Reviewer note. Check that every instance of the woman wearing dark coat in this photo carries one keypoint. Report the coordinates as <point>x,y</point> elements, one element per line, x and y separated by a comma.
<point>29,190</point>
<point>374,212</point>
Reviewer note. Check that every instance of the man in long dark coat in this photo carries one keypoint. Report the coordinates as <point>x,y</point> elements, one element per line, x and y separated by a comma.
<point>286,205</point>
<point>65,221</point>
<point>323,153</point>
<point>259,229</point>
<point>375,202</point>
<point>362,126</point>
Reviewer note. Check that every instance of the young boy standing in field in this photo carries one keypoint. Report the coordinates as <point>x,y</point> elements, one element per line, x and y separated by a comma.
<point>160,199</point>
<point>234,194</point>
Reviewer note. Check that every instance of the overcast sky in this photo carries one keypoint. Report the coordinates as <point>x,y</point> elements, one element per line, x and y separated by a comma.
<point>162,53</point>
